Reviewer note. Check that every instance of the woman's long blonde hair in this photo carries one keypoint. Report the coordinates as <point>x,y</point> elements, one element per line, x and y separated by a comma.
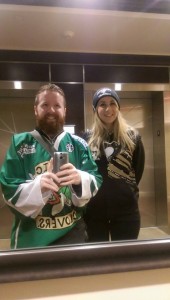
<point>122,133</point>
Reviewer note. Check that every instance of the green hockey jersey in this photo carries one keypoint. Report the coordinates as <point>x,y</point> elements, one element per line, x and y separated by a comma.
<point>41,219</point>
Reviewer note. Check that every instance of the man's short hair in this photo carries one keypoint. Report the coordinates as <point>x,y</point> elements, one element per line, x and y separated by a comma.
<point>49,87</point>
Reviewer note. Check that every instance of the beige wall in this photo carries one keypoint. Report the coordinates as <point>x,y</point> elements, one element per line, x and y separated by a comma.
<point>140,285</point>
<point>167,145</point>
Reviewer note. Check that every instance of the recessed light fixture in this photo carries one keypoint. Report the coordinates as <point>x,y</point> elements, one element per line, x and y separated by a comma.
<point>18,85</point>
<point>68,34</point>
<point>118,86</point>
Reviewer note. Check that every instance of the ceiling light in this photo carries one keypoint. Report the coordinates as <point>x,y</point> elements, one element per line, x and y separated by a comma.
<point>118,86</point>
<point>17,85</point>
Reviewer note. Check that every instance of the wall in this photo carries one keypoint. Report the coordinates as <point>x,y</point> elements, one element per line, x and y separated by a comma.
<point>141,285</point>
<point>167,145</point>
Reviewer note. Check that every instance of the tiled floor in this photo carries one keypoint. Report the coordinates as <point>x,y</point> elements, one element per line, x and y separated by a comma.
<point>145,234</point>
<point>4,244</point>
<point>152,233</point>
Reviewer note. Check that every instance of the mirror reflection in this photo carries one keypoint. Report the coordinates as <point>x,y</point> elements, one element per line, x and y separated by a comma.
<point>117,148</point>
<point>146,108</point>
<point>48,176</point>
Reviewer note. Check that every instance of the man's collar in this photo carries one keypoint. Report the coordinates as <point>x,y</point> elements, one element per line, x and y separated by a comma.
<point>47,137</point>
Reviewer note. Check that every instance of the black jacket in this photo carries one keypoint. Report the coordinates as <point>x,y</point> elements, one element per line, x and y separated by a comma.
<point>119,193</point>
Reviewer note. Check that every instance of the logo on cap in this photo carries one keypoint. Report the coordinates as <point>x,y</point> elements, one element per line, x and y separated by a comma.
<point>104,92</point>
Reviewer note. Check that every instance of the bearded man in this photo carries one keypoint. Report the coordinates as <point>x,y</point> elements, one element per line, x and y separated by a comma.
<point>48,207</point>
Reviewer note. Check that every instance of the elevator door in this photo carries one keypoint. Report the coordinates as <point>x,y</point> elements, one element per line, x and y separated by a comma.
<point>143,111</point>
<point>136,107</point>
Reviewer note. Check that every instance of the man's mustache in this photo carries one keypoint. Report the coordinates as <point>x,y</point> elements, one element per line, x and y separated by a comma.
<point>51,115</point>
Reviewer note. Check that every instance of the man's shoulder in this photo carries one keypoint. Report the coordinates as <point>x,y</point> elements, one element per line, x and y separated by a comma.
<point>78,140</point>
<point>22,136</point>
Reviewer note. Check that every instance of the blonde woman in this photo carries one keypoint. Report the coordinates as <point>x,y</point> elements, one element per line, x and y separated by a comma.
<point>113,213</point>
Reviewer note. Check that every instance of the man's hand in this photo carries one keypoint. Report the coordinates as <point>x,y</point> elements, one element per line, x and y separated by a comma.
<point>67,175</point>
<point>49,181</point>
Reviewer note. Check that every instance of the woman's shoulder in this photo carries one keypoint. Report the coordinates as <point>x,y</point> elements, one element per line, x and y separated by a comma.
<point>134,134</point>
<point>87,134</point>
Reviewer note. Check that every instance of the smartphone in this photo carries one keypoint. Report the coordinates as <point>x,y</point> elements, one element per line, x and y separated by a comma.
<point>59,159</point>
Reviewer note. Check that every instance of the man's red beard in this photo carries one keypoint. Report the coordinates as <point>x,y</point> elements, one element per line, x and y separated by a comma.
<point>52,127</point>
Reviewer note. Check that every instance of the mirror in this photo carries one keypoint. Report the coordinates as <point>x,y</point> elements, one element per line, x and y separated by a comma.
<point>110,255</point>
<point>144,106</point>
